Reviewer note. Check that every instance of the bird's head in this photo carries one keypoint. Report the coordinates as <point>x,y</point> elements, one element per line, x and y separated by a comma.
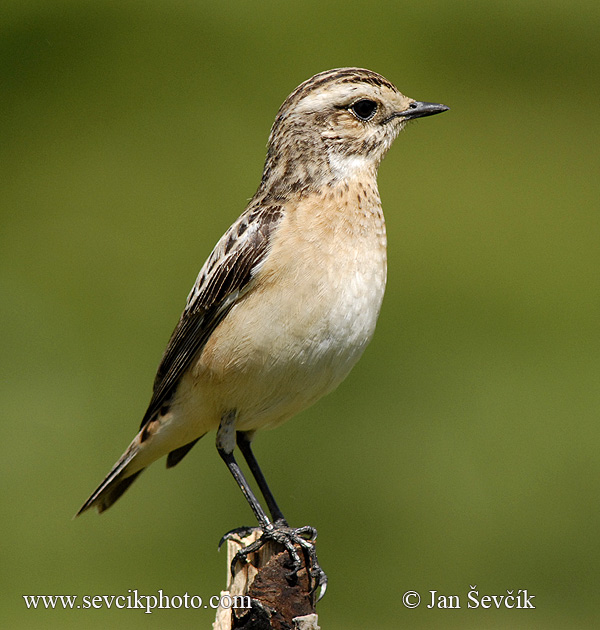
<point>337,125</point>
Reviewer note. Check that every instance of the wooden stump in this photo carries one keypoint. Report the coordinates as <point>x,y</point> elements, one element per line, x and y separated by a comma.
<point>264,593</point>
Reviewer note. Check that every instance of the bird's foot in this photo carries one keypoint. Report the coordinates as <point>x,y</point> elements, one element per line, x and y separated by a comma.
<point>289,538</point>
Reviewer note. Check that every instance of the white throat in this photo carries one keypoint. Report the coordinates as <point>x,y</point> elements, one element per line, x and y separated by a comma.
<point>348,166</point>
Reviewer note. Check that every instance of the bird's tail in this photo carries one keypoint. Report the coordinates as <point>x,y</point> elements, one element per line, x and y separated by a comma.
<point>114,484</point>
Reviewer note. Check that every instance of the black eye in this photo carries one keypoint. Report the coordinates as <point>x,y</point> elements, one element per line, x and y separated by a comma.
<point>364,109</point>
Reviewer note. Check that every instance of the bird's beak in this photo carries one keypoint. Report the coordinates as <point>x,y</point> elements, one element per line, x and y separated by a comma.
<point>418,109</point>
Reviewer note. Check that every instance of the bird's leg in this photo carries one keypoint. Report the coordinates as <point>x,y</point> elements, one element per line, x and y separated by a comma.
<point>278,531</point>
<point>225,446</point>
<point>244,439</point>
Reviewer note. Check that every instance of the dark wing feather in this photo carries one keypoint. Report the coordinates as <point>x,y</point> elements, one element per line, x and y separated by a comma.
<point>226,275</point>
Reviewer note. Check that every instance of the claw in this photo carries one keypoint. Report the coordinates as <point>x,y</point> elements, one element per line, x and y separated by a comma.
<point>320,582</point>
<point>238,532</point>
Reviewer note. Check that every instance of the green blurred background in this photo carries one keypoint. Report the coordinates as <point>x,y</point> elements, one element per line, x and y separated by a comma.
<point>462,450</point>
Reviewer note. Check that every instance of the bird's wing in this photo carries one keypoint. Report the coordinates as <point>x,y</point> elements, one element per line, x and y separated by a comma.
<point>227,274</point>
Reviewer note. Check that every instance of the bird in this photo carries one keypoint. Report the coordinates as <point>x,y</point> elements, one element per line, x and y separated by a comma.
<point>288,300</point>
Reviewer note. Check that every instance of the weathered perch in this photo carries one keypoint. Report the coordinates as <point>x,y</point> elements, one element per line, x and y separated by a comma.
<point>274,599</point>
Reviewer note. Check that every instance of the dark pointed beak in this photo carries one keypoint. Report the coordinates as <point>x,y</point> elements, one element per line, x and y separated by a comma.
<point>418,109</point>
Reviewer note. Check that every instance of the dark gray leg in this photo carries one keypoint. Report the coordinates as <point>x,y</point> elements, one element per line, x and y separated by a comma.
<point>225,446</point>
<point>244,439</point>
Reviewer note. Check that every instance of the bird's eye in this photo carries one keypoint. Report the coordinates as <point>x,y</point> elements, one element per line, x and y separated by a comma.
<point>364,109</point>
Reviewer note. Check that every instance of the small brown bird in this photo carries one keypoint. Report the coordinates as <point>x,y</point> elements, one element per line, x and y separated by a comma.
<point>288,299</point>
